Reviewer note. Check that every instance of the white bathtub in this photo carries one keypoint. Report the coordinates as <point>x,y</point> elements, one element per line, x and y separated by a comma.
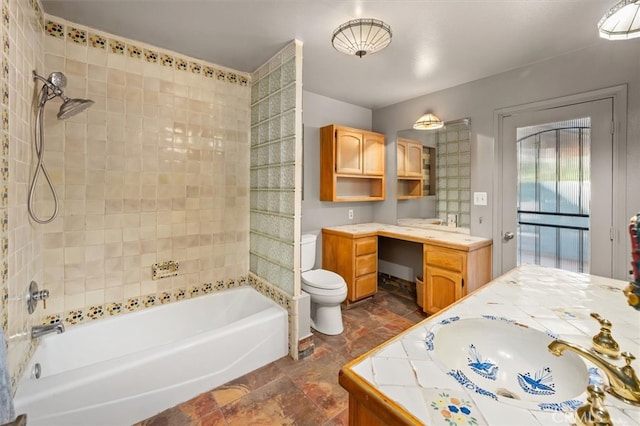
<point>126,368</point>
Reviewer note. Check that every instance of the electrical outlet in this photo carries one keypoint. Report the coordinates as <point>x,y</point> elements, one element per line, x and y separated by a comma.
<point>479,198</point>
<point>350,214</point>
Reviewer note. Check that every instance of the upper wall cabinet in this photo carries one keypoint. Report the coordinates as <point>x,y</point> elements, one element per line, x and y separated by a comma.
<point>411,168</point>
<point>351,164</point>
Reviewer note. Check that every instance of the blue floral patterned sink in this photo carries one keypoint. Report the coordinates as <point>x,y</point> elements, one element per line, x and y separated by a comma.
<point>509,362</point>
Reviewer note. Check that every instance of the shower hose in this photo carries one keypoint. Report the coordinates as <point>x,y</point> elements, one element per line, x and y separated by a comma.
<point>40,167</point>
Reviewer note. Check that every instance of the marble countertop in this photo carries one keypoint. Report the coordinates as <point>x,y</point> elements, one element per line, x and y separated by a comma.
<point>420,235</point>
<point>546,299</point>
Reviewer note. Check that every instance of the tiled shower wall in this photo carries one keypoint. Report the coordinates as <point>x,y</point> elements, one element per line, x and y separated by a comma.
<point>156,170</point>
<point>276,175</point>
<point>21,242</point>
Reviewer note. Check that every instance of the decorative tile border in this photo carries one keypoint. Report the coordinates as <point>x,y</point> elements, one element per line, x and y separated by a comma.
<point>119,47</point>
<point>108,309</point>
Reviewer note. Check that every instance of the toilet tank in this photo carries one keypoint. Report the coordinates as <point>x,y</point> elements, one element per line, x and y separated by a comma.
<point>307,251</point>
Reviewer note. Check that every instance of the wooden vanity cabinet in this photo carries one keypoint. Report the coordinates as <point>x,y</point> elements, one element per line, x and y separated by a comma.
<point>451,274</point>
<point>351,164</point>
<point>353,258</point>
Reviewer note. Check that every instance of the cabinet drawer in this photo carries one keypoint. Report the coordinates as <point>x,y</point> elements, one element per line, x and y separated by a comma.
<point>366,245</point>
<point>366,264</point>
<point>446,259</point>
<point>366,285</point>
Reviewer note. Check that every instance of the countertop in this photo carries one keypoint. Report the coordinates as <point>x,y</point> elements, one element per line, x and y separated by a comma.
<point>402,372</point>
<point>442,238</point>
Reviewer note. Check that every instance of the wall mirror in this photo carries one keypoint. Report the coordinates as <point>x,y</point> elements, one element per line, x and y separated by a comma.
<point>444,176</point>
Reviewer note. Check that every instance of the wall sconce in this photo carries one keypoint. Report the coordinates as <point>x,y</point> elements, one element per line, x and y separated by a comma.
<point>428,122</point>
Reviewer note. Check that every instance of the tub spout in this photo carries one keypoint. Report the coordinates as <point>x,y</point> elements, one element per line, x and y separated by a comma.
<point>623,382</point>
<point>41,330</point>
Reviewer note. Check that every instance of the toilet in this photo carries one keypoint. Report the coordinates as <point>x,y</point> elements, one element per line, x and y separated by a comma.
<point>326,289</point>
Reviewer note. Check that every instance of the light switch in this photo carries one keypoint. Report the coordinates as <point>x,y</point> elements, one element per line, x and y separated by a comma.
<point>479,198</point>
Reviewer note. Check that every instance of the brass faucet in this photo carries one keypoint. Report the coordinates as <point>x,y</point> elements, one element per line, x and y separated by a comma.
<point>593,413</point>
<point>623,382</point>
<point>603,342</point>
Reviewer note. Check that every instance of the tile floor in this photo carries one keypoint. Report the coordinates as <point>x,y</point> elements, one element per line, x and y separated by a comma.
<point>306,392</point>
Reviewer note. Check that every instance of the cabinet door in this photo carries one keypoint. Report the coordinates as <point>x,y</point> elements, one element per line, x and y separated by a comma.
<point>442,288</point>
<point>414,159</point>
<point>373,154</point>
<point>348,152</point>
<point>401,154</point>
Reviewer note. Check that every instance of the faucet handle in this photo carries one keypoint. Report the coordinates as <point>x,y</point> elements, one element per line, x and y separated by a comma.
<point>603,342</point>
<point>593,413</point>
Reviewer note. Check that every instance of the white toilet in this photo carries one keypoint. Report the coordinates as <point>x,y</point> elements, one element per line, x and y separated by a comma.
<point>327,290</point>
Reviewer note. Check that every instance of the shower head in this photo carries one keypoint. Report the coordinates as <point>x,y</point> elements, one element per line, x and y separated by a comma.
<point>53,88</point>
<point>71,107</point>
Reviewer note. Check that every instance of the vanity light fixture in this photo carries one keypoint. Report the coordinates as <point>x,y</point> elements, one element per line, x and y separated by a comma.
<point>361,37</point>
<point>428,122</point>
<point>622,21</point>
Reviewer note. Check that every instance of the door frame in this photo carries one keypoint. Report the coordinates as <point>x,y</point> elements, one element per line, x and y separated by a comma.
<point>619,215</point>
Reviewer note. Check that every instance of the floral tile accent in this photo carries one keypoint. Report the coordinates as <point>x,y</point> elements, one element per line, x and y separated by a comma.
<point>4,221</point>
<point>195,67</point>
<point>5,145</point>
<point>151,56</point>
<point>232,77</point>
<point>232,283</point>
<point>167,60</point>
<point>134,51</point>
<point>221,75</point>
<point>181,64</point>
<point>5,93</point>
<point>4,272</point>
<point>165,297</point>
<point>95,312</point>
<point>194,291</point>
<point>51,319</point>
<point>220,285</point>
<point>114,308</point>
<point>452,408</point>
<point>243,81</point>
<point>97,41</point>
<point>75,317</point>
<point>77,36</point>
<point>116,47</point>
<point>5,43</point>
<point>4,196</point>
<point>132,304</point>
<point>5,14</point>
<point>207,288</point>
<point>149,300</point>
<point>5,120</point>
<point>4,169</point>
<point>5,246</point>
<point>180,294</point>
<point>5,68</point>
<point>54,29</point>
<point>209,72</point>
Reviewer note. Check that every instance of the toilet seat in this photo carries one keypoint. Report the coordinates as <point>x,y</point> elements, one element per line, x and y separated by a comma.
<point>322,279</point>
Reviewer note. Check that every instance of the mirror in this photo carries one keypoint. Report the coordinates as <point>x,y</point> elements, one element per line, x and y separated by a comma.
<point>446,171</point>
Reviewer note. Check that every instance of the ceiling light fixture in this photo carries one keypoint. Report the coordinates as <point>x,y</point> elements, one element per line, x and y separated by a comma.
<point>428,122</point>
<point>622,21</point>
<point>361,37</point>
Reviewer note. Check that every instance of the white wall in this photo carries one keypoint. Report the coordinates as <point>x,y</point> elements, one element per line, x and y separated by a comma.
<point>318,111</point>
<point>603,64</point>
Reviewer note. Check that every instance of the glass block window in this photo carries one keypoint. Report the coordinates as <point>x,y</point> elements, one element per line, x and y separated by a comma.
<point>453,171</point>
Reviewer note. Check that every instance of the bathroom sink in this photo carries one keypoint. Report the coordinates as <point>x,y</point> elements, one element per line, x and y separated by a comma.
<point>509,362</point>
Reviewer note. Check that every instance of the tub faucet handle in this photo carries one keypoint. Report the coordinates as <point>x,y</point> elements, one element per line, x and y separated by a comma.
<point>33,295</point>
<point>603,342</point>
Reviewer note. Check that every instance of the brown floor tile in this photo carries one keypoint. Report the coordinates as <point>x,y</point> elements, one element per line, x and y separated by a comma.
<point>278,403</point>
<point>199,406</point>
<point>241,386</point>
<point>341,419</point>
<point>213,419</point>
<point>172,416</point>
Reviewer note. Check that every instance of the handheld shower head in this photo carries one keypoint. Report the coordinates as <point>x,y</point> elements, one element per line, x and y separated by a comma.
<point>71,107</point>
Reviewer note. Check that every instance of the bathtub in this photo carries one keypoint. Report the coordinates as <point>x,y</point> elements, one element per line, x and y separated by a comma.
<point>123,369</point>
